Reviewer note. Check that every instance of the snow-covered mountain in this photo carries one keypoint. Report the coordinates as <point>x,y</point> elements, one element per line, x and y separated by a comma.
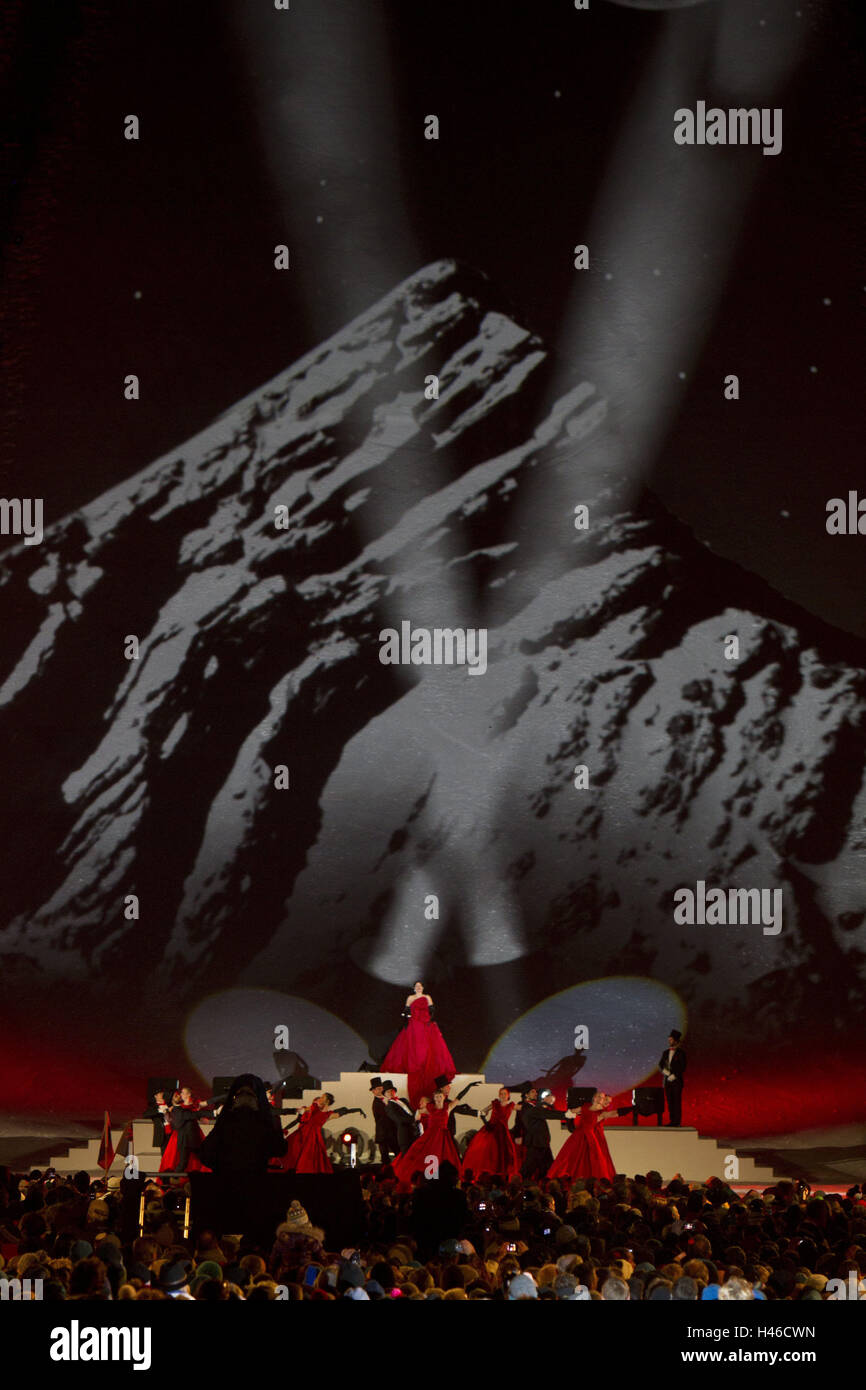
<point>258,563</point>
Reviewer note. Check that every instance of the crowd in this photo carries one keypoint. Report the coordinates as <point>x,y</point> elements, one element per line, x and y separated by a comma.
<point>582,1240</point>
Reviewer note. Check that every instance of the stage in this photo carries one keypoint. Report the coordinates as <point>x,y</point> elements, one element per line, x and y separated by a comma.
<point>833,1159</point>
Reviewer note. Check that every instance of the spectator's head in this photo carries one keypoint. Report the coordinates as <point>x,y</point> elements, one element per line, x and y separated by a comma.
<point>735,1289</point>
<point>614,1289</point>
<point>89,1280</point>
<point>522,1286</point>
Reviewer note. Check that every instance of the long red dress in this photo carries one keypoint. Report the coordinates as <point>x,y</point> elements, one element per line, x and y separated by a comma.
<point>419,1050</point>
<point>288,1161</point>
<point>435,1142</point>
<point>585,1153</point>
<point>307,1151</point>
<point>492,1149</point>
<point>180,1151</point>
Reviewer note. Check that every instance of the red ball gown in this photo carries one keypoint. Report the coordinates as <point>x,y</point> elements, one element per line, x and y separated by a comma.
<point>307,1152</point>
<point>419,1050</point>
<point>492,1149</point>
<point>435,1142</point>
<point>186,1136</point>
<point>585,1153</point>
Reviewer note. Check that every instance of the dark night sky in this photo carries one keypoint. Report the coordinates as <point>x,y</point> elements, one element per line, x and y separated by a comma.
<point>188,217</point>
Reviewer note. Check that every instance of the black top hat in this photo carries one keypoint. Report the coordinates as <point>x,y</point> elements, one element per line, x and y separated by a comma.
<point>439,1081</point>
<point>388,1086</point>
<point>675,1034</point>
<point>377,1081</point>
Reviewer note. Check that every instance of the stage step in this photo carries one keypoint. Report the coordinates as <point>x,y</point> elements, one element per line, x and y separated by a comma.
<point>634,1148</point>
<point>83,1157</point>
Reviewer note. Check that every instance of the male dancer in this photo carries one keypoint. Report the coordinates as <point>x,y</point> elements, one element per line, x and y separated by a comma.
<point>531,1129</point>
<point>157,1111</point>
<point>385,1136</point>
<point>402,1115</point>
<point>672,1065</point>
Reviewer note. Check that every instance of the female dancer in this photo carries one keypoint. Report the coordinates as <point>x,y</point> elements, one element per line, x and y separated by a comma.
<point>185,1135</point>
<point>307,1152</point>
<point>585,1153</point>
<point>419,1049</point>
<point>492,1149</point>
<point>435,1142</point>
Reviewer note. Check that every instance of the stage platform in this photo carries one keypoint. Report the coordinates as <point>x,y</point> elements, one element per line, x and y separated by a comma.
<point>634,1148</point>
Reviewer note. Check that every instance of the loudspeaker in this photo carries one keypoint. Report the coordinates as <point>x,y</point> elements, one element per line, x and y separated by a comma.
<point>648,1100</point>
<point>580,1095</point>
<point>296,1086</point>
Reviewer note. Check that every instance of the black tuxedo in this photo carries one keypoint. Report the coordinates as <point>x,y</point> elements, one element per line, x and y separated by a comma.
<point>674,1089</point>
<point>159,1117</point>
<point>386,1130</point>
<point>402,1115</point>
<point>532,1125</point>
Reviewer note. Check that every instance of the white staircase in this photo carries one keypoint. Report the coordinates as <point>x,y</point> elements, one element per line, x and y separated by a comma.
<point>633,1148</point>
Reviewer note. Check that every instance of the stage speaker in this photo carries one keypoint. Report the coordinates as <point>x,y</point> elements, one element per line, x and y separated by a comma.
<point>580,1095</point>
<point>648,1100</point>
<point>295,1086</point>
<point>221,1085</point>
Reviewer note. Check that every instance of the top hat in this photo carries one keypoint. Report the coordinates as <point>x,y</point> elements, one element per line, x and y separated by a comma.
<point>388,1086</point>
<point>675,1034</point>
<point>440,1081</point>
<point>376,1081</point>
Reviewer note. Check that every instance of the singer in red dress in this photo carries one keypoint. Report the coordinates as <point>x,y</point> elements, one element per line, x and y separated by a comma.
<point>185,1135</point>
<point>419,1049</point>
<point>307,1152</point>
<point>492,1149</point>
<point>435,1142</point>
<point>585,1153</point>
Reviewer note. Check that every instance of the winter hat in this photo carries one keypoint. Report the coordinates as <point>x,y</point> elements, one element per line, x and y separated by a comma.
<point>522,1286</point>
<point>351,1274</point>
<point>297,1220</point>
